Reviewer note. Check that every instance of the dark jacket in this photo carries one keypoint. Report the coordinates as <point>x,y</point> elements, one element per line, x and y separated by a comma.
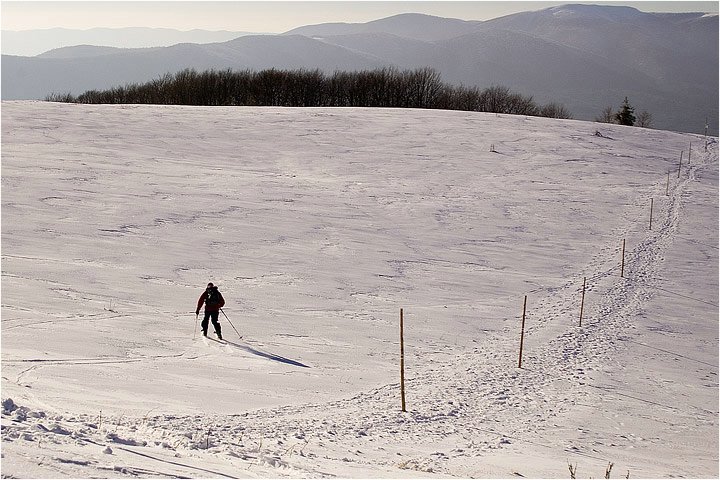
<point>212,307</point>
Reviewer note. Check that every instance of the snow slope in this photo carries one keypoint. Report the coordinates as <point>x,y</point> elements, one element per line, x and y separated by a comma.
<point>318,225</point>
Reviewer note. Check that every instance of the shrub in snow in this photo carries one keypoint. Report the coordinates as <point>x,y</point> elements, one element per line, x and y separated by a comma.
<point>20,414</point>
<point>8,406</point>
<point>55,428</point>
<point>124,441</point>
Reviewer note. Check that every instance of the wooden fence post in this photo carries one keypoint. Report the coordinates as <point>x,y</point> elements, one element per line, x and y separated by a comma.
<point>402,362</point>
<point>680,164</point>
<point>706,128</point>
<point>522,332</point>
<point>582,300</point>
<point>622,265</point>
<point>651,212</point>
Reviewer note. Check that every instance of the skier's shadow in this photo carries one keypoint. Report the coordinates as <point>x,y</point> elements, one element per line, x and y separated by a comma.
<point>269,356</point>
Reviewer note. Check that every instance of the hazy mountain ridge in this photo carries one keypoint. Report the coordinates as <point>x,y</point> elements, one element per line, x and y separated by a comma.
<point>586,57</point>
<point>37,42</point>
<point>624,34</point>
<point>414,26</point>
<point>79,51</point>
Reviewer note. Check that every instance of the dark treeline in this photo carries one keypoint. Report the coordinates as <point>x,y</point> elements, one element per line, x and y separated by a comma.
<point>386,87</point>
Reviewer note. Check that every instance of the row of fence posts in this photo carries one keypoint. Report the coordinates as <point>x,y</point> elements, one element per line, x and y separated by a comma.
<point>522,326</point>
<point>582,299</point>
<point>522,330</point>
<point>622,257</point>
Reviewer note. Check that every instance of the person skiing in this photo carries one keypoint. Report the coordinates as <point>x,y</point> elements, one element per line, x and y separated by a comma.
<point>214,301</point>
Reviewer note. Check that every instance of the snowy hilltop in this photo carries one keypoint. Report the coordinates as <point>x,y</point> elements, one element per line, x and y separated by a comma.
<point>318,225</point>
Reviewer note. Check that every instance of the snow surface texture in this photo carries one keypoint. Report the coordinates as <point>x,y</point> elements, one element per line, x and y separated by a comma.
<point>318,225</point>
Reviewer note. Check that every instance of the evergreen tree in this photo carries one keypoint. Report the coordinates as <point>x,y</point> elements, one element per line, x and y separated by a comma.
<point>626,114</point>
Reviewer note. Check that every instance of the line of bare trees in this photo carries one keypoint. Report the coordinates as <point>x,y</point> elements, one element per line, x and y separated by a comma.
<point>386,87</point>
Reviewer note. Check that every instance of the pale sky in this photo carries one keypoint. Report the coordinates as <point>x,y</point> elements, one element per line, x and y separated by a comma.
<point>271,16</point>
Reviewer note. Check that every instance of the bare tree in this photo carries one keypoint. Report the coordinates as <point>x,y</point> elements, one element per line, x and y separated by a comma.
<point>555,110</point>
<point>423,87</point>
<point>644,119</point>
<point>606,116</point>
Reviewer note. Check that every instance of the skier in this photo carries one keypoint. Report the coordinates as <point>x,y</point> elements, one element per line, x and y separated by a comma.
<point>214,301</point>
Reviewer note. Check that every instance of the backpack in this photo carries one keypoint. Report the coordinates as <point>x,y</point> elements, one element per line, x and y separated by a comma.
<point>213,297</point>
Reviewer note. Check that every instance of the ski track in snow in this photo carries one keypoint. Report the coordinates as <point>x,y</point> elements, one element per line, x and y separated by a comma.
<point>466,402</point>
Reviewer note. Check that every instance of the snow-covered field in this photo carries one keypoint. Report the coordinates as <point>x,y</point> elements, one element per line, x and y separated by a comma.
<point>318,225</point>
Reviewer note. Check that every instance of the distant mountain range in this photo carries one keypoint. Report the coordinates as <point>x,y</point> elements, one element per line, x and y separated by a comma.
<point>585,56</point>
<point>29,43</point>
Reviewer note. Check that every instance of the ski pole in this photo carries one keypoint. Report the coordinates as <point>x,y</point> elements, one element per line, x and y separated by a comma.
<point>231,324</point>
<point>196,322</point>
